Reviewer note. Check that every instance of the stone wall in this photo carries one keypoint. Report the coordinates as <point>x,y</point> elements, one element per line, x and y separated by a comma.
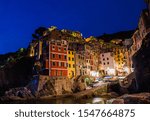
<point>54,85</point>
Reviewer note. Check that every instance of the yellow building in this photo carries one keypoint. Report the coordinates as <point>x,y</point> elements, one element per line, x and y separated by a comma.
<point>71,64</point>
<point>120,59</point>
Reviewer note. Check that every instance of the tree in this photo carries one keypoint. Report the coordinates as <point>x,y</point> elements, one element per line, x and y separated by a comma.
<point>39,33</point>
<point>147,1</point>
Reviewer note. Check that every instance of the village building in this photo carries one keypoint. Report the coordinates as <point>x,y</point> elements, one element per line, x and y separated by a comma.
<point>107,63</point>
<point>71,64</point>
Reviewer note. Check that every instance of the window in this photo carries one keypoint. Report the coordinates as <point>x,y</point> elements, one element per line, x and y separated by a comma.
<point>69,65</point>
<point>104,63</point>
<point>59,64</point>
<point>65,57</point>
<point>60,73</point>
<point>65,49</point>
<point>53,63</point>
<point>103,59</point>
<point>53,47</point>
<point>59,56</point>
<point>53,55</point>
<point>73,66</point>
<point>107,63</point>
<point>65,64</point>
<point>72,59</point>
<point>72,53</point>
<point>102,55</point>
<point>107,58</point>
<point>59,49</point>
<point>62,64</point>
<point>69,52</point>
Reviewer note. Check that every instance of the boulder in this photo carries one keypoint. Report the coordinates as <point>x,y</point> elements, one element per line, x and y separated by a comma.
<point>139,98</point>
<point>54,86</point>
<point>79,84</point>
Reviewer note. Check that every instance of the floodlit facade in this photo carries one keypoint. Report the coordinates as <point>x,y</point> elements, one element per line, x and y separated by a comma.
<point>71,64</point>
<point>120,60</point>
<point>108,63</point>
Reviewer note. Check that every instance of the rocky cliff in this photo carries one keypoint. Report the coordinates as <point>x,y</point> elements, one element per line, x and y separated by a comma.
<point>16,74</point>
<point>141,62</point>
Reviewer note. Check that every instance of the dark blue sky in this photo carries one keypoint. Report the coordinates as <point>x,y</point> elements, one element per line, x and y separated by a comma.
<point>19,18</point>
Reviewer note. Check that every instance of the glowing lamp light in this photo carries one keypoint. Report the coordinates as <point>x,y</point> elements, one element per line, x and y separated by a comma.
<point>94,74</point>
<point>111,71</point>
<point>126,69</point>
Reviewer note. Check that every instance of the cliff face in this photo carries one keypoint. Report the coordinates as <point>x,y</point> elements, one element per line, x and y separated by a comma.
<point>16,74</point>
<point>141,62</point>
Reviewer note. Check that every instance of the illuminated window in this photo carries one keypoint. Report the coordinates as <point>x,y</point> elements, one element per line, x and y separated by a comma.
<point>59,64</point>
<point>65,64</point>
<point>53,47</point>
<point>59,49</point>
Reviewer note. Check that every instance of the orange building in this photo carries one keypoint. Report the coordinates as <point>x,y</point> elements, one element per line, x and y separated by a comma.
<point>58,58</point>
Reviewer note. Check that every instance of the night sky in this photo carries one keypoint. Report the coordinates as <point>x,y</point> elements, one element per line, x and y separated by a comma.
<point>19,18</point>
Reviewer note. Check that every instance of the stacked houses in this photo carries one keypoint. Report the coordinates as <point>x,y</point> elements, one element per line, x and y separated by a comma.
<point>66,53</point>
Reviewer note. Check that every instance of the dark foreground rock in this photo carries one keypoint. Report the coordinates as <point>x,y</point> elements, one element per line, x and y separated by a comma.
<point>140,98</point>
<point>142,66</point>
<point>16,74</point>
